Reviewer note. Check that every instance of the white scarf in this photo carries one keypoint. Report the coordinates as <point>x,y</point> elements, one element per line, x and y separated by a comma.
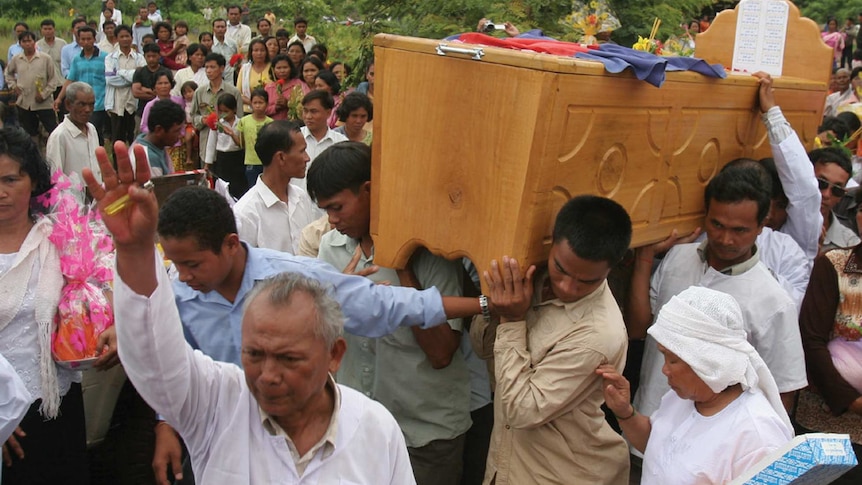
<point>13,288</point>
<point>704,328</point>
<point>245,74</point>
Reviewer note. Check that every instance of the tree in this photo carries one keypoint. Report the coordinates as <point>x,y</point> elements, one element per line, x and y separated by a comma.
<point>822,10</point>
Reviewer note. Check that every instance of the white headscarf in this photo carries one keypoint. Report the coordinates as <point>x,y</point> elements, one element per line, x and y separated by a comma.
<point>705,329</point>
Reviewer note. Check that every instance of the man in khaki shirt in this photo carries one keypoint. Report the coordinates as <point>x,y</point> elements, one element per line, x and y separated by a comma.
<point>32,76</point>
<point>548,424</point>
<point>53,46</point>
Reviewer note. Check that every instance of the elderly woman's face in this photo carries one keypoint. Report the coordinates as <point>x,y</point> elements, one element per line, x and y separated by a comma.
<point>682,379</point>
<point>15,190</point>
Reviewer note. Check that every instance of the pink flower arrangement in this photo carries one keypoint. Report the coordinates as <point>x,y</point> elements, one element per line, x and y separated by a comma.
<point>86,261</point>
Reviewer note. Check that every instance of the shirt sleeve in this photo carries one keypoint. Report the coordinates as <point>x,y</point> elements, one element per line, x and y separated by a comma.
<point>796,173</point>
<point>14,399</point>
<point>446,276</point>
<point>180,384</point>
<point>373,310</point>
<point>779,343</point>
<point>534,393</point>
<point>54,152</point>
<point>816,321</point>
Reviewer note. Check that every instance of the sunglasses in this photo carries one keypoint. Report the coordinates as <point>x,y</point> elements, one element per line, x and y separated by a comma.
<point>836,190</point>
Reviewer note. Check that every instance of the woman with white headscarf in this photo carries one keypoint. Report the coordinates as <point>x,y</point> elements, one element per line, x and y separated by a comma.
<point>723,413</point>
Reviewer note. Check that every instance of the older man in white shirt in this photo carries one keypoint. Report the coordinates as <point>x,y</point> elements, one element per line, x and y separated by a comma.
<point>72,145</point>
<point>279,419</point>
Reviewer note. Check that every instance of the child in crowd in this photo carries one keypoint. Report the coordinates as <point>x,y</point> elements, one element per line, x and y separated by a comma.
<point>181,41</point>
<point>246,131</point>
<point>191,136</point>
<point>224,157</point>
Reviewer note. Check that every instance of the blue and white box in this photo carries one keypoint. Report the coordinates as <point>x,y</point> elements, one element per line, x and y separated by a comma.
<point>808,459</point>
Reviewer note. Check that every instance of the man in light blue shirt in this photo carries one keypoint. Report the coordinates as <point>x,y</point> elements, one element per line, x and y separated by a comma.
<point>16,48</point>
<point>71,50</point>
<point>215,272</point>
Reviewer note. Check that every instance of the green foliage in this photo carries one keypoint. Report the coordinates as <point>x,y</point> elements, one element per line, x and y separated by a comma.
<point>636,17</point>
<point>17,9</point>
<point>821,10</point>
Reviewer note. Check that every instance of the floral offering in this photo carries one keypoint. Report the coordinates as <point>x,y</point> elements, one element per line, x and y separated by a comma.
<point>590,18</point>
<point>86,261</point>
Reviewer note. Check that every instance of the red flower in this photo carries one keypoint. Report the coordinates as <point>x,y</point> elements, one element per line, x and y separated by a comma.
<point>212,120</point>
<point>235,59</point>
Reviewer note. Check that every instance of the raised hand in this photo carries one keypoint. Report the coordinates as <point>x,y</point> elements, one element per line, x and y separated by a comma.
<point>766,92</point>
<point>135,225</point>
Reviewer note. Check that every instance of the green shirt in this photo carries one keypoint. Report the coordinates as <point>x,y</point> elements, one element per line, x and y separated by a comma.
<point>429,404</point>
<point>248,127</point>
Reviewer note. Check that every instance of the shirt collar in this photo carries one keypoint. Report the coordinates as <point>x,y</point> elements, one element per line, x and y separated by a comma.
<point>95,52</point>
<point>575,309</point>
<point>72,129</point>
<point>309,136</point>
<point>736,269</point>
<point>270,199</point>
<point>327,441</point>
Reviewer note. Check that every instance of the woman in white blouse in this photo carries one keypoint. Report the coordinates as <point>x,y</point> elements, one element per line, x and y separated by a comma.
<point>723,413</point>
<point>49,446</point>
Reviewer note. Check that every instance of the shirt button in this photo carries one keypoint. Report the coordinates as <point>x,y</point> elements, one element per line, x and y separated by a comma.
<point>367,393</point>
<point>508,427</point>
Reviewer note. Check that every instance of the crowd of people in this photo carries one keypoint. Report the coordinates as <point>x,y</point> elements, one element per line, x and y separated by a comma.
<point>129,67</point>
<point>275,349</point>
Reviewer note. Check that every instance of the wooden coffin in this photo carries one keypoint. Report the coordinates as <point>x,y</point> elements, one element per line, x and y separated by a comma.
<point>475,157</point>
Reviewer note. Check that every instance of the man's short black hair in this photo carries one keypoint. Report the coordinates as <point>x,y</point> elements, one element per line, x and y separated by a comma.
<point>282,33</point>
<point>595,228</point>
<point>850,119</point>
<point>836,126</point>
<point>199,213</point>
<point>740,182</point>
<point>21,24</point>
<point>324,97</point>
<point>275,137</point>
<point>165,113</point>
<point>831,155</point>
<point>107,23</point>
<point>299,20</point>
<point>87,29</point>
<point>27,34</point>
<point>121,28</point>
<point>151,48</point>
<point>353,102</point>
<point>215,56</point>
<point>47,23</point>
<point>78,20</point>
<point>342,166</point>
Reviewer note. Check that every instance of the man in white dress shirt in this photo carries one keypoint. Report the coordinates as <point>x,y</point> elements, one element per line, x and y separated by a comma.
<point>316,108</point>
<point>236,30</point>
<point>279,419</point>
<point>273,212</point>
